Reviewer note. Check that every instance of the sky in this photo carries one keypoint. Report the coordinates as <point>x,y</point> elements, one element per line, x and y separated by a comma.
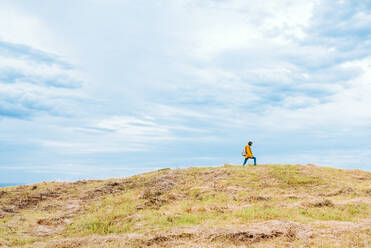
<point>98,89</point>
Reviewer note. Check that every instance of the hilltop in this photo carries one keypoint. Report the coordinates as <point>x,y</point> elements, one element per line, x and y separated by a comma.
<point>227,206</point>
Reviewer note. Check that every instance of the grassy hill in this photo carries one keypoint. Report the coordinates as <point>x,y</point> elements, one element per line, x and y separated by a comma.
<point>227,206</point>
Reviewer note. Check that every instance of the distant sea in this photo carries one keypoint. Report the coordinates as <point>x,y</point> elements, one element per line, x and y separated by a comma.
<point>2,185</point>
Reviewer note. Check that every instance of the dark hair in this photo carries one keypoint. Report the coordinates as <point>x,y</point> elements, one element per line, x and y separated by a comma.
<point>250,143</point>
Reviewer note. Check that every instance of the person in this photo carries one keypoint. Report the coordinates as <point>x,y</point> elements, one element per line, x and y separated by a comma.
<point>248,153</point>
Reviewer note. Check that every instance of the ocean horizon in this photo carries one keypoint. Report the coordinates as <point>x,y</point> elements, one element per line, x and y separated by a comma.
<point>3,185</point>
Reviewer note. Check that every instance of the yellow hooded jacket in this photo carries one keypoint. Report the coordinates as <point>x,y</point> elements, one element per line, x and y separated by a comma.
<point>248,152</point>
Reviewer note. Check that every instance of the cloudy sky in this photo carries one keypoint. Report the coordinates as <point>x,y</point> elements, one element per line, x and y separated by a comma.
<point>97,89</point>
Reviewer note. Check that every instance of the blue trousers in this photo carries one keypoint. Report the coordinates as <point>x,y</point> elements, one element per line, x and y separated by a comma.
<point>247,159</point>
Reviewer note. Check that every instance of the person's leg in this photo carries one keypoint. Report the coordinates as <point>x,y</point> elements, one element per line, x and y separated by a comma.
<point>254,160</point>
<point>245,162</point>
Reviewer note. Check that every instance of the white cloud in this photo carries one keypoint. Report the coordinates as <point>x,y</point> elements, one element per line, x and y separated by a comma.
<point>134,128</point>
<point>21,27</point>
<point>220,26</point>
<point>186,78</point>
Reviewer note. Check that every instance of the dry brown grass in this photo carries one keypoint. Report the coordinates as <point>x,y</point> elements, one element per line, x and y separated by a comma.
<point>263,206</point>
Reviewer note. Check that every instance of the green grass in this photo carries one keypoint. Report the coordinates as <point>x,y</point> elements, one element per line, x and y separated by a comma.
<point>21,241</point>
<point>289,175</point>
<point>348,212</point>
<point>107,216</point>
<point>176,220</point>
<point>261,213</point>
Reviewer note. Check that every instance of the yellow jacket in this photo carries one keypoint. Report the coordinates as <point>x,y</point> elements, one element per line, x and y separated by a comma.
<point>248,152</point>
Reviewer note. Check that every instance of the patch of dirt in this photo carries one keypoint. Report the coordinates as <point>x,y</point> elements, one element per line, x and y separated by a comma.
<point>165,238</point>
<point>231,236</point>
<point>49,226</point>
<point>220,209</point>
<point>51,222</point>
<point>189,237</point>
<point>25,197</point>
<point>234,189</point>
<point>115,187</point>
<point>153,198</point>
<point>245,237</point>
<point>319,203</point>
<point>46,230</point>
<point>362,178</point>
<point>212,177</point>
<point>164,183</point>
<point>235,235</point>
<point>14,203</point>
<point>157,191</point>
<point>335,228</point>
<point>201,192</point>
<point>51,206</point>
<point>360,200</point>
<point>216,208</point>
<point>343,191</point>
<point>2,193</point>
<point>8,209</point>
<point>33,199</point>
<point>92,241</point>
<point>258,198</point>
<point>297,195</point>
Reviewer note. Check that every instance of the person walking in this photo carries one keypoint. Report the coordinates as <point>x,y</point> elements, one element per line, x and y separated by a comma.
<point>247,153</point>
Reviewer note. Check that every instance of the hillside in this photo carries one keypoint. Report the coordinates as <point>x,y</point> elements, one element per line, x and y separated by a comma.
<point>227,206</point>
